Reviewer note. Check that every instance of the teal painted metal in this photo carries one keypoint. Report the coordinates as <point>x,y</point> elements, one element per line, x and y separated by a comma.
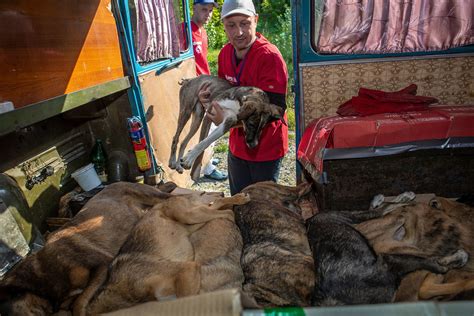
<point>135,69</point>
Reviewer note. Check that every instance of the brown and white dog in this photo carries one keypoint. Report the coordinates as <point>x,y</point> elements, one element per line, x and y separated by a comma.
<point>248,105</point>
<point>75,258</point>
<point>158,260</point>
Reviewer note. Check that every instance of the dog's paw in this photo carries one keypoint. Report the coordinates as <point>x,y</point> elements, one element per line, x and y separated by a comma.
<point>405,197</point>
<point>186,162</point>
<point>179,168</point>
<point>172,164</point>
<point>377,201</point>
<point>455,260</point>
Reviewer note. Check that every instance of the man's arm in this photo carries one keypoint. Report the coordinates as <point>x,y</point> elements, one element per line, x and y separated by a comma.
<point>277,99</point>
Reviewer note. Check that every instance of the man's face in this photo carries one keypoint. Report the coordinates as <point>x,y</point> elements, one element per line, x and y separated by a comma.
<point>202,13</point>
<point>241,30</point>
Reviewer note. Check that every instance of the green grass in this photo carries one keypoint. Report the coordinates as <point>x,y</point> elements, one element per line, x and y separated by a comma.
<point>221,148</point>
<point>212,55</point>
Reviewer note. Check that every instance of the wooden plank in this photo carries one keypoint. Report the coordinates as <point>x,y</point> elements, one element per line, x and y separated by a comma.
<point>51,48</point>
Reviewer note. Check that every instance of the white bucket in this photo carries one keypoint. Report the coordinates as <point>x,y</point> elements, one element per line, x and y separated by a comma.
<point>87,177</point>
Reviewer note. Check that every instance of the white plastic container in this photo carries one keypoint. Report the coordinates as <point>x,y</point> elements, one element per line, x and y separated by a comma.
<point>87,177</point>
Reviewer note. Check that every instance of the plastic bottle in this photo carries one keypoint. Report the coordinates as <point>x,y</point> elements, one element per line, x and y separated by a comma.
<point>99,159</point>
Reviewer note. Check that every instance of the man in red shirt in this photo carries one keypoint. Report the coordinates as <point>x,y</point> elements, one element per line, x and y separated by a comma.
<point>249,59</point>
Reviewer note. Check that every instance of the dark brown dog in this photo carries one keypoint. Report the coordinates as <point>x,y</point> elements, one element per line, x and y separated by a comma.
<point>248,105</point>
<point>158,260</point>
<point>433,229</point>
<point>276,258</point>
<point>75,258</point>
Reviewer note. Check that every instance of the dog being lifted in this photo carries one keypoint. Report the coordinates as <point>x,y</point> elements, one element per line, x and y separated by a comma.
<point>348,271</point>
<point>276,258</point>
<point>158,260</point>
<point>247,105</point>
<point>75,258</point>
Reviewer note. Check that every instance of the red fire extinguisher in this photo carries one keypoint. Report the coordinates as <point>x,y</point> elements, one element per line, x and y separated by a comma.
<point>137,133</point>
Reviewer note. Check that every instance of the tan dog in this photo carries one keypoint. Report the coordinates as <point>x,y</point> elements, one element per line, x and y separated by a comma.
<point>158,260</point>
<point>276,257</point>
<point>75,258</point>
<point>423,229</point>
<point>218,248</point>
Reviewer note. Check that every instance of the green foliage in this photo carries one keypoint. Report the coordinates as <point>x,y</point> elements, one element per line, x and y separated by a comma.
<point>290,112</point>
<point>215,29</point>
<point>221,148</point>
<point>212,55</point>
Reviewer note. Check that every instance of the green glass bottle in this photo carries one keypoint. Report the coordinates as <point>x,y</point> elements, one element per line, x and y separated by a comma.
<point>99,159</point>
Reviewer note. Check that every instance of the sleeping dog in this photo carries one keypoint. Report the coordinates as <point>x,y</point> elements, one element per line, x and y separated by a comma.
<point>247,105</point>
<point>75,258</point>
<point>158,261</point>
<point>349,271</point>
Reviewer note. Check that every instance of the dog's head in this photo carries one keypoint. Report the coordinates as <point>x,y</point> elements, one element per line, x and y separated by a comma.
<point>255,115</point>
<point>286,196</point>
<point>16,301</point>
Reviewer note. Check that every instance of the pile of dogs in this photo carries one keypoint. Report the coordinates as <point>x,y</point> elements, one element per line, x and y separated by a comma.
<point>133,243</point>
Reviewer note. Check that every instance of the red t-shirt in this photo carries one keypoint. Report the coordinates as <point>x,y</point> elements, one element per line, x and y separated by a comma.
<point>200,49</point>
<point>262,67</point>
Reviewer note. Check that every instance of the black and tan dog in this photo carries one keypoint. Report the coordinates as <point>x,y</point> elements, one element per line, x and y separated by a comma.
<point>248,105</point>
<point>276,258</point>
<point>158,261</point>
<point>75,258</point>
<point>349,271</point>
<point>432,228</point>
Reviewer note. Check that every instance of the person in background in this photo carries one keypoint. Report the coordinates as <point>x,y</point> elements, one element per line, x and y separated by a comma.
<point>202,13</point>
<point>249,59</point>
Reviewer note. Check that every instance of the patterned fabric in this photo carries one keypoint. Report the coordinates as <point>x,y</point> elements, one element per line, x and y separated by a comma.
<point>157,30</point>
<point>388,26</point>
<point>325,87</point>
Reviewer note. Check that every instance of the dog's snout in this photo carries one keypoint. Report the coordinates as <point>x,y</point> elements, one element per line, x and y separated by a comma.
<point>252,144</point>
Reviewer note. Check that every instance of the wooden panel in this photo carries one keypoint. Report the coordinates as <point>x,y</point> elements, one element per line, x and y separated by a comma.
<point>162,92</point>
<point>325,87</point>
<point>49,48</point>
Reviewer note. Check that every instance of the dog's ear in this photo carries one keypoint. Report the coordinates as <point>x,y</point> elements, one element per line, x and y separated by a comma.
<point>246,110</point>
<point>277,113</point>
<point>304,188</point>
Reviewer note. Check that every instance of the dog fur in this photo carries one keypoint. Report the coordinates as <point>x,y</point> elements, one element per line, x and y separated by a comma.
<point>248,105</point>
<point>218,248</point>
<point>75,258</point>
<point>276,258</point>
<point>158,260</point>
<point>429,229</point>
<point>349,271</point>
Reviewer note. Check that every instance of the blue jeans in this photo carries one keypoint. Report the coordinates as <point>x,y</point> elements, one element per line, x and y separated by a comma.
<point>243,173</point>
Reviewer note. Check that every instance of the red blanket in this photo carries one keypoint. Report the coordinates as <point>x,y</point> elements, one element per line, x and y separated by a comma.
<point>370,102</point>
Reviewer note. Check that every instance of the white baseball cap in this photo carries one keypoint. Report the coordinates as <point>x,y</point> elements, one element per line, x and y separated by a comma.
<point>231,7</point>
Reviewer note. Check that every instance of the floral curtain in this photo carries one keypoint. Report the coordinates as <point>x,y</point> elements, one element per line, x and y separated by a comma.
<point>157,30</point>
<point>390,26</point>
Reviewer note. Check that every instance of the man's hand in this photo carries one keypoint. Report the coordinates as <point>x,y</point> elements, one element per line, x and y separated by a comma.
<point>215,113</point>
<point>204,94</point>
